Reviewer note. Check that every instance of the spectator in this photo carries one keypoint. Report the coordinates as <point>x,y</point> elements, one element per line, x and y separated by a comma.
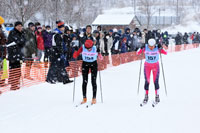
<point>165,39</point>
<point>67,40</point>
<point>178,39</point>
<point>2,51</point>
<point>87,35</point>
<point>15,44</point>
<point>116,43</point>
<point>99,29</point>
<point>57,71</point>
<point>40,43</point>
<point>47,37</point>
<point>135,42</point>
<point>109,38</point>
<point>123,45</point>
<point>102,44</point>
<point>126,34</point>
<point>185,38</point>
<point>30,49</point>
<point>143,38</point>
<point>37,24</point>
<point>192,37</point>
<point>197,38</point>
<point>74,44</point>
<point>96,37</point>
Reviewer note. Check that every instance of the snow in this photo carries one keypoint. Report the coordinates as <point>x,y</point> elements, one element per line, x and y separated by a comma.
<point>124,16</point>
<point>47,108</point>
<point>190,24</point>
<point>130,10</point>
<point>125,10</point>
<point>189,27</point>
<point>113,19</point>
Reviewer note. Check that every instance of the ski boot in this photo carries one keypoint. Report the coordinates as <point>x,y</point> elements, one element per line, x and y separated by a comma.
<point>67,81</point>
<point>146,98</point>
<point>84,100</point>
<point>157,99</point>
<point>94,101</point>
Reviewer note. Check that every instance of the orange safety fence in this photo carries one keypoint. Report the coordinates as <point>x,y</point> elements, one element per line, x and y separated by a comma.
<point>32,73</point>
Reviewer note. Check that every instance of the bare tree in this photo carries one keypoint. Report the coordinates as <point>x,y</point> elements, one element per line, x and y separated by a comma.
<point>23,10</point>
<point>148,7</point>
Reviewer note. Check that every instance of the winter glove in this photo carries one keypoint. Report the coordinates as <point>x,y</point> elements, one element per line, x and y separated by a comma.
<point>75,55</point>
<point>160,46</point>
<point>143,46</point>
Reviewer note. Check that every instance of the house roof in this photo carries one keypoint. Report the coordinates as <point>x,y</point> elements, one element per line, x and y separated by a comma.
<point>113,19</point>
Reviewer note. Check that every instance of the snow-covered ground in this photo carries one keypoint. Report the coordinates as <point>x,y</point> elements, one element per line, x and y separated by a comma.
<point>47,108</point>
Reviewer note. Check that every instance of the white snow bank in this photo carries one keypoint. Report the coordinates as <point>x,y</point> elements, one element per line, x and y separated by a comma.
<point>47,108</point>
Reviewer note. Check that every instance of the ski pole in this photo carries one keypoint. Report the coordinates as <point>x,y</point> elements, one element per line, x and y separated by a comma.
<point>74,80</point>
<point>163,74</point>
<point>100,86</point>
<point>140,74</point>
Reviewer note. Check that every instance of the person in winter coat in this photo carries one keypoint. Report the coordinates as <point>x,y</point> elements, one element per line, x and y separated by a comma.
<point>135,42</point>
<point>87,35</point>
<point>47,37</point>
<point>197,38</point>
<point>178,39</point>
<point>116,44</point>
<point>57,71</point>
<point>109,38</point>
<point>68,39</point>
<point>89,56</point>
<point>74,44</point>
<point>185,38</point>
<point>146,35</point>
<point>102,44</point>
<point>30,49</point>
<point>123,45</point>
<point>151,52</point>
<point>2,51</point>
<point>192,37</point>
<point>96,37</point>
<point>143,38</point>
<point>126,34</point>
<point>40,43</point>
<point>165,39</point>
<point>15,44</point>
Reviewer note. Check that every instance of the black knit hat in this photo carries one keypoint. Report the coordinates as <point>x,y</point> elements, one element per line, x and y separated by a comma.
<point>31,24</point>
<point>18,23</point>
<point>48,26</point>
<point>37,24</point>
<point>58,21</point>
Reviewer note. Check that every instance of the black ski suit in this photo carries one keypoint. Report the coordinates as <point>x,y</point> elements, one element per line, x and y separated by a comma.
<point>86,66</point>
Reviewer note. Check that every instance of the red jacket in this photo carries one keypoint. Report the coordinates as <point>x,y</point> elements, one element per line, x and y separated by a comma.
<point>40,40</point>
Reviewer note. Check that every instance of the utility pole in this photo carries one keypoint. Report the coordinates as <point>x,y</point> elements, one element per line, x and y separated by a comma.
<point>177,10</point>
<point>134,6</point>
<point>56,10</point>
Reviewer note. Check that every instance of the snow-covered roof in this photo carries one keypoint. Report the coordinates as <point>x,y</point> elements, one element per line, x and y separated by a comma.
<point>113,19</point>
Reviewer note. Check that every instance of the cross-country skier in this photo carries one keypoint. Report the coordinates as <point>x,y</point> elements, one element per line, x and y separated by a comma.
<point>89,56</point>
<point>151,51</point>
